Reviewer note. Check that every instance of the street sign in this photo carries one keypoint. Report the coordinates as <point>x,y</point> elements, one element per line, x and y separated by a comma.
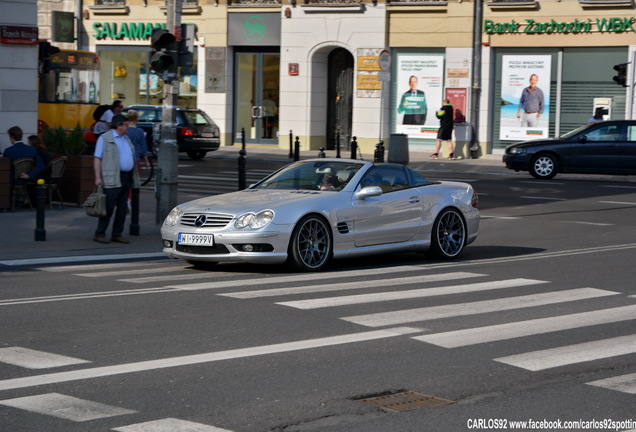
<point>384,76</point>
<point>385,60</point>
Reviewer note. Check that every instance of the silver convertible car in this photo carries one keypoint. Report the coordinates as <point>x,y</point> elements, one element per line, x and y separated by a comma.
<point>314,210</point>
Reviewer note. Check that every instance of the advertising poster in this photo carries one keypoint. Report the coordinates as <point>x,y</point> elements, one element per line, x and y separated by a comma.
<point>525,97</point>
<point>457,98</point>
<point>419,94</point>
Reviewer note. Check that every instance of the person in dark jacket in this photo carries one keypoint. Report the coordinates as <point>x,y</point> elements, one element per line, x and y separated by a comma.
<point>40,148</point>
<point>445,132</point>
<point>19,150</point>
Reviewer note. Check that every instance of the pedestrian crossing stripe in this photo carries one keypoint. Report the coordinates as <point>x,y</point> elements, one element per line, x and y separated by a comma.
<point>408,294</point>
<point>494,333</point>
<point>622,383</point>
<point>32,359</point>
<point>462,309</point>
<point>65,407</point>
<point>169,425</point>
<point>343,286</point>
<point>578,353</point>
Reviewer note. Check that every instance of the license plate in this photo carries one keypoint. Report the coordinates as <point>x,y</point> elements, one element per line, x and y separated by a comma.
<point>196,239</point>
<point>207,135</point>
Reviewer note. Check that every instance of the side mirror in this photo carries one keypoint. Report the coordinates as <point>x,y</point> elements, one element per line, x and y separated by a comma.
<point>582,139</point>
<point>367,192</point>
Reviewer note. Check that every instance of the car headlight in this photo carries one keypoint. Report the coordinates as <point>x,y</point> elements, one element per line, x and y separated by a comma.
<point>173,217</point>
<point>254,220</point>
<point>518,150</point>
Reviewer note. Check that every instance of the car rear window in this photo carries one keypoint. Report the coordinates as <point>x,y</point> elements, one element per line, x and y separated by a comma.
<point>196,118</point>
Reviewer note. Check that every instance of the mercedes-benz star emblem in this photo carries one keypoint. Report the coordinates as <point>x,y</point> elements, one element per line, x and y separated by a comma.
<point>200,220</point>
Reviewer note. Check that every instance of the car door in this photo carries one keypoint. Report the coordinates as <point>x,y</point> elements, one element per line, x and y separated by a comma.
<point>627,152</point>
<point>598,150</point>
<point>394,216</point>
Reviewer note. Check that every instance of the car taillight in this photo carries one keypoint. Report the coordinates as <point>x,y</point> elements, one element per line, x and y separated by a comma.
<point>186,131</point>
<point>42,126</point>
<point>475,200</point>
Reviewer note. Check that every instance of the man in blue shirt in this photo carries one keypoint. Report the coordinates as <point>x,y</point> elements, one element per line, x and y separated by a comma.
<point>19,150</point>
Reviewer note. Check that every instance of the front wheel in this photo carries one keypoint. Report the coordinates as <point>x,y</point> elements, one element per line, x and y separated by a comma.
<point>310,247</point>
<point>449,235</point>
<point>196,154</point>
<point>544,166</point>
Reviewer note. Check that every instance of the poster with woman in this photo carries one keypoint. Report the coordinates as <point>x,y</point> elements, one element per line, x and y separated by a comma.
<point>418,95</point>
<point>525,97</point>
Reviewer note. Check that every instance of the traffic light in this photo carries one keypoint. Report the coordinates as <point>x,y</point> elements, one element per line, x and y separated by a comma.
<point>621,74</point>
<point>163,59</point>
<point>45,54</point>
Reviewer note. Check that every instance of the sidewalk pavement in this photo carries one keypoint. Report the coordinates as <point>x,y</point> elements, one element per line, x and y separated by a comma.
<point>69,231</point>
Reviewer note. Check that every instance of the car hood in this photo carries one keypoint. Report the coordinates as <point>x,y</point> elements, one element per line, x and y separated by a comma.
<point>253,200</point>
<point>538,142</point>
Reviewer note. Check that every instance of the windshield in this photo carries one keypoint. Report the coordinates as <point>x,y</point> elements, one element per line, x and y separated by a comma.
<point>325,176</point>
<point>575,131</point>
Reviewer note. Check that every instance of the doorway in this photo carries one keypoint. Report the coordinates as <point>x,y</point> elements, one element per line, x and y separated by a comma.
<point>339,98</point>
<point>256,97</point>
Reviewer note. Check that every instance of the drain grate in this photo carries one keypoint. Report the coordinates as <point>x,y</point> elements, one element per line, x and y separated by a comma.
<point>405,400</point>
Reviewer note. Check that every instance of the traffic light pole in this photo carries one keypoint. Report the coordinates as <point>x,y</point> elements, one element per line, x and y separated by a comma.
<point>167,177</point>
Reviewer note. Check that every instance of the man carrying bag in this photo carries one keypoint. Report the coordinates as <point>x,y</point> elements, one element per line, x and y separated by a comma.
<point>114,167</point>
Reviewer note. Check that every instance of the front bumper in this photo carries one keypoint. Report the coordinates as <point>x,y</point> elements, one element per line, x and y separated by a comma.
<point>268,247</point>
<point>517,162</point>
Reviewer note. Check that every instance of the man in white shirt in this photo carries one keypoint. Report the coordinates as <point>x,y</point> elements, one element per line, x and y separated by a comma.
<point>104,122</point>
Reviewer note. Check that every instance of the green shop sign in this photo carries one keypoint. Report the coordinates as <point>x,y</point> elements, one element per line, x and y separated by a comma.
<point>531,26</point>
<point>122,31</point>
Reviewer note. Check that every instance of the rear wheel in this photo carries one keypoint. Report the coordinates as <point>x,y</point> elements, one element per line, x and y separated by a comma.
<point>544,166</point>
<point>310,247</point>
<point>196,154</point>
<point>449,235</point>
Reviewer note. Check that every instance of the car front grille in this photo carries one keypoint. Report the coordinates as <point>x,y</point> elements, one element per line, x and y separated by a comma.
<point>218,249</point>
<point>206,220</point>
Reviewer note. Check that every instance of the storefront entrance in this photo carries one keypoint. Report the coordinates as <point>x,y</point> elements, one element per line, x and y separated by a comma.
<point>340,98</point>
<point>256,97</point>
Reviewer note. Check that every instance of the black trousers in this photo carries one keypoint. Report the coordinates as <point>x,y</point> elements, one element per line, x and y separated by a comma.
<point>116,202</point>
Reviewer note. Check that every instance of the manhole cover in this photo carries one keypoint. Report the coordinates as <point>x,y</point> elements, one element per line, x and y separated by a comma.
<point>405,400</point>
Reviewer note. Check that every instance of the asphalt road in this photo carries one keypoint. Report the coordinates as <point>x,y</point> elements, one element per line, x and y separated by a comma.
<point>534,322</point>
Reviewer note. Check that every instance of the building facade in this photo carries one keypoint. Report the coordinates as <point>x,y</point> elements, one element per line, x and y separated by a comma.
<point>266,70</point>
<point>18,69</point>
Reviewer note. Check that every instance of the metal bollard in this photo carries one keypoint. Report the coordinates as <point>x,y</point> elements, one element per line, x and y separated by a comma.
<point>378,155</point>
<point>297,150</point>
<point>321,153</point>
<point>134,212</point>
<point>291,145</point>
<point>354,148</point>
<point>243,139</point>
<point>40,205</point>
<point>241,170</point>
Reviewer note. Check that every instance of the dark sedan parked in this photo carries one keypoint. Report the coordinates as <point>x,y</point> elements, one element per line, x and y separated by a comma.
<point>197,133</point>
<point>607,147</point>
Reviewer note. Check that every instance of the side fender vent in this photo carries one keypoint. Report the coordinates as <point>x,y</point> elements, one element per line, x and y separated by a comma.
<point>343,228</point>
